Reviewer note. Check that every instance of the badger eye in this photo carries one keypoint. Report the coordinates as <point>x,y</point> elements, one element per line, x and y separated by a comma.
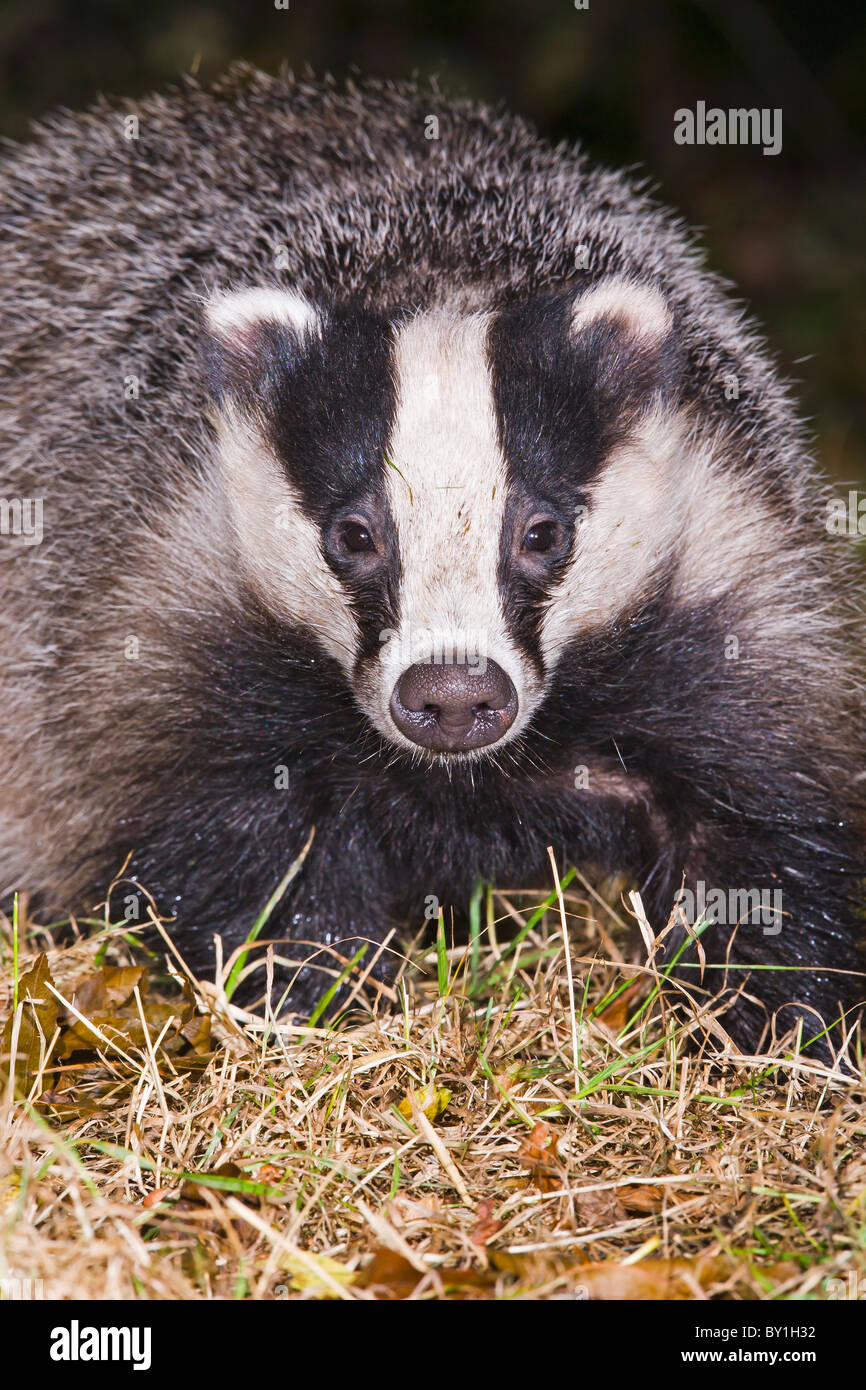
<point>542,537</point>
<point>355,538</point>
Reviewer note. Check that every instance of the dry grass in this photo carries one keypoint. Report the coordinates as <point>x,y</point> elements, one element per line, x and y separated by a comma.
<point>239,1158</point>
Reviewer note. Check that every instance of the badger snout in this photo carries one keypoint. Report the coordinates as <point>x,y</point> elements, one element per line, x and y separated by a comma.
<point>452,709</point>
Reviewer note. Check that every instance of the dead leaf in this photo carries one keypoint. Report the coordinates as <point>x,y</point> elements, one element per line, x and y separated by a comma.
<point>665,1280</point>
<point>270,1173</point>
<point>486,1226</point>
<point>197,1032</point>
<point>315,1274</point>
<point>598,1208</point>
<point>641,1199</point>
<point>38,1020</point>
<point>613,1204</point>
<point>391,1276</point>
<point>616,1015</point>
<point>106,989</point>
<point>540,1153</point>
<point>405,1210</point>
<point>431,1101</point>
<point>106,1000</point>
<point>155,1197</point>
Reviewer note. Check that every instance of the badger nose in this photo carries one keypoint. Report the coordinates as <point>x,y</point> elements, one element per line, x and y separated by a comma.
<point>452,708</point>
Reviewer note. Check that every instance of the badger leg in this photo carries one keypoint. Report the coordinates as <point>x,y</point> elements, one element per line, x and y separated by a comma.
<point>333,909</point>
<point>337,914</point>
<point>782,939</point>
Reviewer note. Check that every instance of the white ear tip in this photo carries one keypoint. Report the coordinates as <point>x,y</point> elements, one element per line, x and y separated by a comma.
<point>236,312</point>
<point>640,308</point>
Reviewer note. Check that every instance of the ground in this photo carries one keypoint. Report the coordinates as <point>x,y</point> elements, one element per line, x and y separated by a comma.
<point>511,1120</point>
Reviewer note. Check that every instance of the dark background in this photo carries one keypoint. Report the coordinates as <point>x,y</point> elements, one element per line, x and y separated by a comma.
<point>789,229</point>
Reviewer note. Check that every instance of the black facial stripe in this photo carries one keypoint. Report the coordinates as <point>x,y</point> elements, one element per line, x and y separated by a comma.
<point>526,593</point>
<point>331,408</point>
<point>552,440</point>
<point>328,406</point>
<point>376,596</point>
<point>564,400</point>
<point>552,430</point>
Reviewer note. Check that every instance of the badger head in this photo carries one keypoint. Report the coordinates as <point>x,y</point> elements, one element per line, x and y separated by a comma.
<point>444,500</point>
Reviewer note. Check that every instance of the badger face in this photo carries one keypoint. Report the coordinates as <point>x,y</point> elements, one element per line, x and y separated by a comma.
<point>445,501</point>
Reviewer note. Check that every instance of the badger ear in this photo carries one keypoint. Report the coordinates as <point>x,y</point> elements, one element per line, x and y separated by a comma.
<point>246,333</point>
<point>624,332</point>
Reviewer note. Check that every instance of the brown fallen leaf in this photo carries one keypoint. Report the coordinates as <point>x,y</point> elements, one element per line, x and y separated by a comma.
<point>392,1276</point>
<point>38,1019</point>
<point>486,1226</point>
<point>667,1280</point>
<point>642,1199</point>
<point>197,1032</point>
<point>614,1204</point>
<point>155,1197</point>
<point>105,990</point>
<point>389,1275</point>
<point>598,1208</point>
<point>539,1152</point>
<point>403,1211</point>
<point>106,999</point>
<point>616,1015</point>
<point>270,1173</point>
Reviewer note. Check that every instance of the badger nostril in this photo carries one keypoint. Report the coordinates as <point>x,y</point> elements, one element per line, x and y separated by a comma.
<point>451,708</point>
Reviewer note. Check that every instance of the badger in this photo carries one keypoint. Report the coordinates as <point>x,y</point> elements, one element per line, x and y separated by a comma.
<point>405,479</point>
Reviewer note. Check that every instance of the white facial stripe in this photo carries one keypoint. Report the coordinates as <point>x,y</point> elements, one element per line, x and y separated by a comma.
<point>640,308</point>
<point>624,535</point>
<point>280,547</point>
<point>731,539</point>
<point>233,315</point>
<point>448,499</point>
<point>664,495</point>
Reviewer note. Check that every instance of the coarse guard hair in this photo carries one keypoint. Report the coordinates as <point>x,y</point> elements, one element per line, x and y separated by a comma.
<point>404,477</point>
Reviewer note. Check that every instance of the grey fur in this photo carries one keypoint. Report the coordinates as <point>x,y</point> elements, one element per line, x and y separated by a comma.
<point>109,248</point>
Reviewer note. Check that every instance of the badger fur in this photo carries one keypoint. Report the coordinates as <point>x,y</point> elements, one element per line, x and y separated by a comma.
<point>427,491</point>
